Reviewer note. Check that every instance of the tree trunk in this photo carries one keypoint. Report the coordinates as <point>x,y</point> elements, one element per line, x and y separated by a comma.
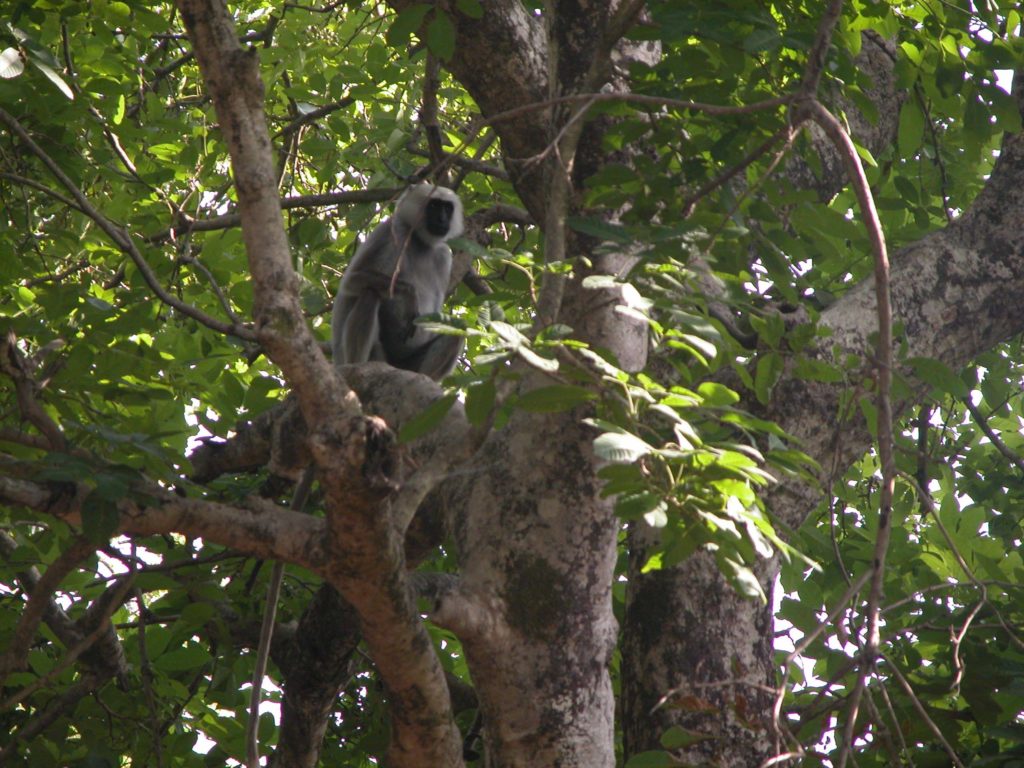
<point>534,611</point>
<point>698,656</point>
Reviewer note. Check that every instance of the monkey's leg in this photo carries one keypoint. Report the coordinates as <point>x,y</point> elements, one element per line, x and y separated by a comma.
<point>436,358</point>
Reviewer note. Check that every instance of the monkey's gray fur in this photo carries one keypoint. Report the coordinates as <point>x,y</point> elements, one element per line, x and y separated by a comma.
<point>398,274</point>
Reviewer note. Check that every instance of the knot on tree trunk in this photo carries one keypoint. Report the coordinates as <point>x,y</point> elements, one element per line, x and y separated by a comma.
<point>363,444</point>
<point>381,464</point>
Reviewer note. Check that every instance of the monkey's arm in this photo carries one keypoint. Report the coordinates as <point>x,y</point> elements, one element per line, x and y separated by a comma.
<point>354,327</point>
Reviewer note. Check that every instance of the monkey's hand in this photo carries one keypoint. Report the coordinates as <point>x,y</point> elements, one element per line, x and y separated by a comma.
<point>396,319</point>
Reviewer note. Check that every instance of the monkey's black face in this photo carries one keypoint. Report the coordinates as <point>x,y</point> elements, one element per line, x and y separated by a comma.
<point>439,217</point>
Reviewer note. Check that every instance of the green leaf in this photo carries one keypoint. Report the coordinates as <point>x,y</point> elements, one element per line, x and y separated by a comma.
<point>546,364</point>
<point>654,563</point>
<point>120,10</point>
<point>769,327</point>
<point>653,759</point>
<point>602,365</point>
<point>25,297</point>
<point>657,517</point>
<point>429,418</point>
<point>621,448</point>
<point>717,395</point>
<point>157,639</point>
<point>600,229</point>
<point>441,35</point>
<point>816,370</point>
<point>762,40</point>
<point>118,115</point>
<point>769,370</point>
<point>742,578</point>
<point>189,658</point>
<point>51,74</point>
<point>939,375</point>
<point>866,156</point>
<point>100,304</point>
<point>911,128</point>
<point>471,8</point>
<point>633,506</point>
<point>406,23</point>
<point>677,737</point>
<point>509,333</point>
<point>701,348</point>
<point>558,397</point>
<point>195,615</point>
<point>600,282</point>
<point>100,517</point>
<point>480,401</point>
<point>166,152</point>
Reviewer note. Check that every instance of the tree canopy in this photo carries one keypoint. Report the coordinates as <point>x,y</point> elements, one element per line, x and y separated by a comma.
<point>731,471</point>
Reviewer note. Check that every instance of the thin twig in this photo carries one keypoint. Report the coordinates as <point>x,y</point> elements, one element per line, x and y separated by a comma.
<point>121,239</point>
<point>957,639</point>
<point>919,708</point>
<point>38,602</point>
<point>724,177</point>
<point>883,362</point>
<point>14,366</point>
<point>430,121</point>
<point>819,51</point>
<point>194,261</point>
<point>229,220</point>
<point>21,180</point>
<point>881,732</point>
<point>467,163</point>
<point>791,135</point>
<point>309,117</point>
<point>146,671</point>
<point>56,708</point>
<point>642,100</point>
<point>806,641</point>
<point>897,728</point>
<point>929,506</point>
<point>993,436</point>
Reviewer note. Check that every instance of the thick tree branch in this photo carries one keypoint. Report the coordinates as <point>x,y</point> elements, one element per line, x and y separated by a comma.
<point>819,51</point>
<point>101,651</point>
<point>311,117</point>
<point>504,45</point>
<point>232,76</point>
<point>461,161</point>
<point>316,665</point>
<point>357,456</point>
<point>187,224</point>
<point>955,293</point>
<point>258,527</point>
<point>883,398</point>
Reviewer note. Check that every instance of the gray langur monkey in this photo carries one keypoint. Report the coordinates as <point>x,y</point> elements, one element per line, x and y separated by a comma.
<point>398,274</point>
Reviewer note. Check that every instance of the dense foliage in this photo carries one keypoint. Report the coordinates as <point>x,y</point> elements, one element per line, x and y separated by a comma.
<point>125,282</point>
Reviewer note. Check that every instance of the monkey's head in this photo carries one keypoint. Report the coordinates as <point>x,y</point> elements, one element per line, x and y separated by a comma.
<point>433,213</point>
